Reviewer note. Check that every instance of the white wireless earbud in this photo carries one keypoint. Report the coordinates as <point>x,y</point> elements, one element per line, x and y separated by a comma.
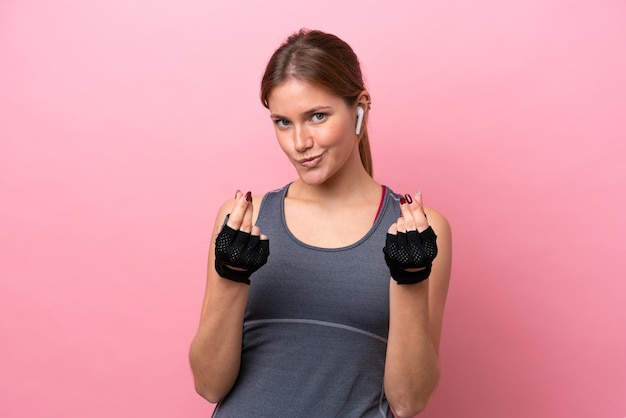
<point>359,119</point>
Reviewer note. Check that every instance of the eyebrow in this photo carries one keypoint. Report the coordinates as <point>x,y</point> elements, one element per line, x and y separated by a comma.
<point>309,112</point>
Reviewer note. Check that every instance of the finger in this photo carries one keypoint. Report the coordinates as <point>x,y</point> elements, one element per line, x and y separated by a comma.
<point>246,224</point>
<point>256,231</point>
<point>393,229</point>
<point>403,239</point>
<point>264,249</point>
<point>400,224</point>
<point>253,241</point>
<point>417,206</point>
<point>237,212</point>
<point>238,194</point>
<point>405,207</point>
<point>417,210</point>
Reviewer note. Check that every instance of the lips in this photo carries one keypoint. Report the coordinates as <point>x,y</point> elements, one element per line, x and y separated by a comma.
<point>310,161</point>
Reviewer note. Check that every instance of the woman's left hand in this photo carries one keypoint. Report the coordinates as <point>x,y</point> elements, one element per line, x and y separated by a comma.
<point>411,244</point>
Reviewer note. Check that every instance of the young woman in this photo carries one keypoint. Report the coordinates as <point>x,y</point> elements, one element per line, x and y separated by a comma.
<point>324,298</point>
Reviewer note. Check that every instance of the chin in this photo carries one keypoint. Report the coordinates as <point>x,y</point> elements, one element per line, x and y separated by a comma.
<point>313,179</point>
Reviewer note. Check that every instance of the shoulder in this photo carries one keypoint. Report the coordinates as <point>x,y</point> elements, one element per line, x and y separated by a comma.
<point>257,200</point>
<point>438,221</point>
<point>273,198</point>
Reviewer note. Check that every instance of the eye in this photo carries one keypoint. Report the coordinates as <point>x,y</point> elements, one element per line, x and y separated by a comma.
<point>282,123</point>
<point>318,117</point>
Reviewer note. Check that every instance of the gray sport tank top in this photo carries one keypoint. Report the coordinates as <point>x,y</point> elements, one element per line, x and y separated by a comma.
<point>316,325</point>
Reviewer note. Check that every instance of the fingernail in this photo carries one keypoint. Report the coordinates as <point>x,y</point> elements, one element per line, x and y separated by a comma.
<point>249,197</point>
<point>237,192</point>
<point>408,198</point>
<point>402,201</point>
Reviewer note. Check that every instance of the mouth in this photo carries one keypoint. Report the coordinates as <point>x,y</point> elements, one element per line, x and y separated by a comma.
<point>310,161</point>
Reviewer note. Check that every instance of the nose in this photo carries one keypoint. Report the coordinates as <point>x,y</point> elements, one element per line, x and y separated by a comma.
<point>302,139</point>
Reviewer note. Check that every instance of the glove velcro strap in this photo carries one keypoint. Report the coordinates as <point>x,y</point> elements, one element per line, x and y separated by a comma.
<point>402,276</point>
<point>241,276</point>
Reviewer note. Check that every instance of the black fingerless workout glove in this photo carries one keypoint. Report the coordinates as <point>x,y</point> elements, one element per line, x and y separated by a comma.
<point>410,250</point>
<point>239,249</point>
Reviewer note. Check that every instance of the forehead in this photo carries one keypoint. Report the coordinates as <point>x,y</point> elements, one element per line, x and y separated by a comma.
<point>297,96</point>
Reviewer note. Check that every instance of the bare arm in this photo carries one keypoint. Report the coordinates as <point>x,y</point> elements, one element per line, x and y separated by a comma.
<point>416,314</point>
<point>215,351</point>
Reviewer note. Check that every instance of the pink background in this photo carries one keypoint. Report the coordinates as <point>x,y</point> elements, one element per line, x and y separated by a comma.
<point>125,124</point>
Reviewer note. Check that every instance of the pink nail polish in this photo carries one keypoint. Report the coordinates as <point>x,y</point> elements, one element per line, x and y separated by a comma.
<point>409,199</point>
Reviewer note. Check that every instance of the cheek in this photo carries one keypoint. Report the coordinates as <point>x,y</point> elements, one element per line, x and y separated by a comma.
<point>340,135</point>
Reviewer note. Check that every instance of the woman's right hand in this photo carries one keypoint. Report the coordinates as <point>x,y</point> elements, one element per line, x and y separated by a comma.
<point>240,248</point>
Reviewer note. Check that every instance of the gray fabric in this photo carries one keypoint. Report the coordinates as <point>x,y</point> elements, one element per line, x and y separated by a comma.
<point>316,325</point>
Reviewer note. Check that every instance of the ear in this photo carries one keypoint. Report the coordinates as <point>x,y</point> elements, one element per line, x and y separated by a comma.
<point>365,100</point>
